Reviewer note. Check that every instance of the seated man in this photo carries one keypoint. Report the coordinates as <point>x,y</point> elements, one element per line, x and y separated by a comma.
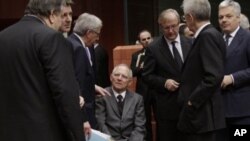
<point>121,115</point>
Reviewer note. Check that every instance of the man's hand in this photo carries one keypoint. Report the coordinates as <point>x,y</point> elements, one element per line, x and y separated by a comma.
<point>87,129</point>
<point>171,85</point>
<point>81,101</point>
<point>101,91</point>
<point>227,80</point>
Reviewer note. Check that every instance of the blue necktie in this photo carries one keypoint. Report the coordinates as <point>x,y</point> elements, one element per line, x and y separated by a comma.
<point>227,39</point>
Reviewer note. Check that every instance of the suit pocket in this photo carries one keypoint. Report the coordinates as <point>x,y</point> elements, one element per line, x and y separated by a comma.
<point>188,121</point>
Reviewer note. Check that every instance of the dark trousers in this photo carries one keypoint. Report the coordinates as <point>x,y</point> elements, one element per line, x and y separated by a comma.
<point>208,136</point>
<point>224,134</point>
<point>167,131</point>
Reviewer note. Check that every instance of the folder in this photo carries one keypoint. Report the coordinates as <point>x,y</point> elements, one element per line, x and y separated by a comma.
<point>98,136</point>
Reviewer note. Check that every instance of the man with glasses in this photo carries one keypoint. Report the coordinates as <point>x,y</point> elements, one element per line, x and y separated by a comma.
<point>137,62</point>
<point>162,71</point>
<point>86,32</point>
<point>200,94</point>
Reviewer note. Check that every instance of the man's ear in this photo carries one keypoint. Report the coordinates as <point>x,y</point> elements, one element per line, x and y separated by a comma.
<point>130,81</point>
<point>52,17</point>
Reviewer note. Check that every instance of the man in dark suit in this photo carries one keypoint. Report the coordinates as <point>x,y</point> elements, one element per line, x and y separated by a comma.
<point>121,115</point>
<point>102,66</point>
<point>162,71</point>
<point>235,85</point>
<point>39,92</point>
<point>199,94</point>
<point>85,33</point>
<point>137,62</point>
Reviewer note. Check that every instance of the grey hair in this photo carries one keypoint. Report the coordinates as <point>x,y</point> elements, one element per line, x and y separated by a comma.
<point>69,2</point>
<point>230,3</point>
<point>130,74</point>
<point>200,9</point>
<point>44,7</point>
<point>163,14</point>
<point>244,22</point>
<point>87,22</point>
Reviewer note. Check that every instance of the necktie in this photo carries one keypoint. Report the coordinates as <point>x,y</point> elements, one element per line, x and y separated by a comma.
<point>227,39</point>
<point>120,103</point>
<point>177,56</point>
<point>89,55</point>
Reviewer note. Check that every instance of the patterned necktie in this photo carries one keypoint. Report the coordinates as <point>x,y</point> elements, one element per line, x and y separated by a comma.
<point>120,103</point>
<point>177,56</point>
<point>227,37</point>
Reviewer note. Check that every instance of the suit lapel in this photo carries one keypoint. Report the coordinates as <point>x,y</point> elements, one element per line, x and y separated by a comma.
<point>237,40</point>
<point>127,103</point>
<point>113,102</point>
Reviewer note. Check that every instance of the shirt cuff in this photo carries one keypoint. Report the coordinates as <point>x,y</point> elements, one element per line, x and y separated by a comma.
<point>232,79</point>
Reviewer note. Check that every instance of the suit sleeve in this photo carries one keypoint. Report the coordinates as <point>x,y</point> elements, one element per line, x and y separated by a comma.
<point>136,70</point>
<point>138,134</point>
<point>212,55</point>
<point>56,57</point>
<point>101,115</point>
<point>242,77</point>
<point>149,72</point>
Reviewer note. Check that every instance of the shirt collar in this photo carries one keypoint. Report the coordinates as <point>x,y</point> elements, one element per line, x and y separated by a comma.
<point>177,39</point>
<point>122,93</point>
<point>234,32</point>
<point>199,30</point>
<point>83,44</point>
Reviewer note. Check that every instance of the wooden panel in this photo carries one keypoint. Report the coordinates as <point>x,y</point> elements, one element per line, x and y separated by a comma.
<point>122,55</point>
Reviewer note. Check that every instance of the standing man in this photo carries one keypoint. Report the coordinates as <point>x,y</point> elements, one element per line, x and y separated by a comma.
<point>39,93</point>
<point>85,33</point>
<point>235,85</point>
<point>121,115</point>
<point>199,94</point>
<point>137,63</point>
<point>66,18</point>
<point>102,65</point>
<point>244,22</point>
<point>162,71</point>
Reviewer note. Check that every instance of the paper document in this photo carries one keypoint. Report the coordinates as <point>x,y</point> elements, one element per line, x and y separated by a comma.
<point>98,136</point>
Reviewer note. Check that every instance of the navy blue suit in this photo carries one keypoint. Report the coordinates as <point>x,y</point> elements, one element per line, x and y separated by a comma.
<point>85,76</point>
<point>237,96</point>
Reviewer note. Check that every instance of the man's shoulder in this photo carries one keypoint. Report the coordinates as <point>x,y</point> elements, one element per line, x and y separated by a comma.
<point>134,94</point>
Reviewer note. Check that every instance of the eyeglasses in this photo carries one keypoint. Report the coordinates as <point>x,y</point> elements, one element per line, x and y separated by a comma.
<point>97,33</point>
<point>144,39</point>
<point>170,27</point>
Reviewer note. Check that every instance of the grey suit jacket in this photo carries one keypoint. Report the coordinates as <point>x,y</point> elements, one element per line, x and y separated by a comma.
<point>128,127</point>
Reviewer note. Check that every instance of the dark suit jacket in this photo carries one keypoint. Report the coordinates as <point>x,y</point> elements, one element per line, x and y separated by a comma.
<point>102,66</point>
<point>200,83</point>
<point>39,94</point>
<point>237,96</point>
<point>159,66</point>
<point>85,76</point>
<point>141,86</point>
<point>128,127</point>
